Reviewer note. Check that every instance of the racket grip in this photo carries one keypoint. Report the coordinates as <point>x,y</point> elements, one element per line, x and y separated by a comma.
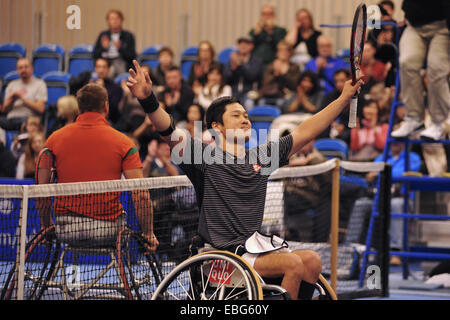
<point>352,114</point>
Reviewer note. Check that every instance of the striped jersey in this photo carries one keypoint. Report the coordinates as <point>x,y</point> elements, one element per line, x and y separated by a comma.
<point>231,191</point>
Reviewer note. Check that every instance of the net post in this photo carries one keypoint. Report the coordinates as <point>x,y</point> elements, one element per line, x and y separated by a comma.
<point>20,265</point>
<point>334,234</point>
<point>384,210</point>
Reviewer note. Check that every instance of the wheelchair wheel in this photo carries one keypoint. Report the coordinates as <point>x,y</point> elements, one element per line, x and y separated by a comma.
<point>43,249</point>
<point>213,275</point>
<point>324,290</point>
<point>143,272</point>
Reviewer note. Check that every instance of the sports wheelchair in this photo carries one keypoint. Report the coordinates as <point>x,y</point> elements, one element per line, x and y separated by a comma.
<point>222,275</point>
<point>48,260</point>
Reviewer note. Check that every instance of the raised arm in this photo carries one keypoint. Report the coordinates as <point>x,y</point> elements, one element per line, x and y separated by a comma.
<point>141,87</point>
<point>312,127</point>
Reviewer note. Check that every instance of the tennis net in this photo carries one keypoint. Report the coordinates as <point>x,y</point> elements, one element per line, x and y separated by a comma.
<point>314,207</point>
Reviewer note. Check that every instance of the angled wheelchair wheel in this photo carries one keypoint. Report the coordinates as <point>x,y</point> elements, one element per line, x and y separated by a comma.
<point>324,290</point>
<point>41,257</point>
<point>212,275</point>
<point>140,271</point>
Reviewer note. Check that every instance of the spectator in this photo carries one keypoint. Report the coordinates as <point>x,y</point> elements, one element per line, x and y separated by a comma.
<point>306,194</point>
<point>367,140</point>
<point>7,162</point>
<point>30,126</point>
<point>373,70</point>
<point>26,165</point>
<point>338,128</point>
<point>158,75</point>
<point>280,77</point>
<point>243,71</point>
<point>132,114</point>
<point>266,35</point>
<point>397,158</point>
<point>157,163</point>
<point>101,77</point>
<point>115,44</point>
<point>425,40</point>
<point>24,97</point>
<point>205,59</point>
<point>195,120</point>
<point>177,96</point>
<point>303,38</point>
<point>309,94</point>
<point>67,107</point>
<point>214,88</point>
<point>325,64</point>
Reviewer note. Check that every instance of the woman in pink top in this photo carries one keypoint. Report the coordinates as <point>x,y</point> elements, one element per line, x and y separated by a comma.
<point>367,140</point>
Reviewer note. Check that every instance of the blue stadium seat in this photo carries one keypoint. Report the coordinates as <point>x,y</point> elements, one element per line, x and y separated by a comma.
<point>120,77</point>
<point>188,57</point>
<point>57,85</point>
<point>224,55</point>
<point>332,148</point>
<point>9,54</point>
<point>344,54</point>
<point>10,76</point>
<point>149,56</point>
<point>48,57</point>
<point>261,118</point>
<point>80,59</point>
<point>10,134</point>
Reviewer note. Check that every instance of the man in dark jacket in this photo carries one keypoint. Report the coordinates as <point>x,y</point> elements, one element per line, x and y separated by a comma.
<point>115,44</point>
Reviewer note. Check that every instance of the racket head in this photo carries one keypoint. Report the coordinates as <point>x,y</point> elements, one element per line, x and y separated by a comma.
<point>45,171</point>
<point>357,40</point>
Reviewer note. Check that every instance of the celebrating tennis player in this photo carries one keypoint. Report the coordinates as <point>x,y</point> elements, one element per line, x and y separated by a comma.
<point>230,181</point>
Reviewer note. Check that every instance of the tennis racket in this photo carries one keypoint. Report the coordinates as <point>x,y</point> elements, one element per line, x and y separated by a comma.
<point>356,51</point>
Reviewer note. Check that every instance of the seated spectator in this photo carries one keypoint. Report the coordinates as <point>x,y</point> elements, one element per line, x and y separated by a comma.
<point>177,96</point>
<point>325,64</point>
<point>266,35</point>
<point>214,88</point>
<point>339,128</point>
<point>306,194</point>
<point>27,162</point>
<point>303,38</point>
<point>280,78</point>
<point>101,77</point>
<point>367,140</point>
<point>397,158</point>
<point>24,97</point>
<point>372,70</point>
<point>116,45</point>
<point>309,94</point>
<point>243,71</point>
<point>195,124</point>
<point>31,125</point>
<point>68,111</point>
<point>7,162</point>
<point>132,114</point>
<point>157,163</point>
<point>158,74</point>
<point>205,59</point>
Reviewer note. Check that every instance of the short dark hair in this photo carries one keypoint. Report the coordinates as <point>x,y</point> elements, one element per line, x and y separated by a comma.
<point>165,49</point>
<point>92,97</point>
<point>342,70</point>
<point>104,59</point>
<point>217,109</point>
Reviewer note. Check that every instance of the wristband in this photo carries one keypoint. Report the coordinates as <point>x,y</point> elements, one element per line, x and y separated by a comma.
<point>149,104</point>
<point>169,130</point>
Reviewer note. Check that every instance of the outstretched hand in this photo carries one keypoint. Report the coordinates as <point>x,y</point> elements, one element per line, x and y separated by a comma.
<point>139,82</point>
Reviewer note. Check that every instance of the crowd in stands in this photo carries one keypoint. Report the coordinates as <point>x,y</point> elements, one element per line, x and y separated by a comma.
<point>295,70</point>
